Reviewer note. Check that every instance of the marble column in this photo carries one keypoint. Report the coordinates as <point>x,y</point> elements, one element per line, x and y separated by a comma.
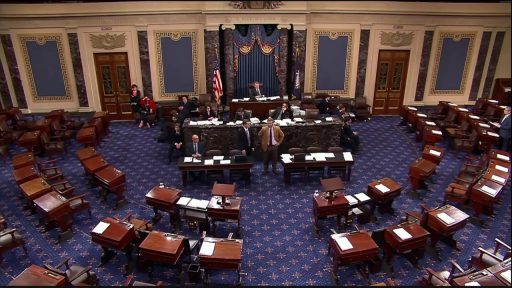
<point>144,63</point>
<point>493,62</point>
<point>77,69</point>
<point>212,54</point>
<point>13,70</point>
<point>299,57</point>
<point>228,62</point>
<point>479,68</point>
<point>425,58</point>
<point>4,90</point>
<point>282,66</point>
<point>361,62</point>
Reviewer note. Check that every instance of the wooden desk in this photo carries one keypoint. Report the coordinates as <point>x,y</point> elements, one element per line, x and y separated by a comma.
<point>43,125</point>
<point>57,115</point>
<point>500,268</point>
<point>433,154</point>
<point>54,207</point>
<point>103,115</point>
<point>38,276</point>
<point>481,199</point>
<point>165,199</point>
<point>98,125</point>
<point>24,174</point>
<point>35,188</point>
<point>497,176</point>
<point>113,181</point>
<point>23,159</point>
<point>421,123</point>
<point>94,164</point>
<point>416,244</point>
<point>161,247</point>
<point>259,108</point>
<point>331,162</point>
<point>441,230</point>
<point>226,255</point>
<point>483,278</point>
<point>30,141</point>
<point>230,210</point>
<point>487,138</point>
<point>500,166</point>
<point>86,153</point>
<point>432,135</point>
<point>364,250</point>
<point>118,236</point>
<point>324,205</point>
<point>87,136</point>
<point>383,199</point>
<point>419,171</point>
<point>191,166</point>
<point>500,155</point>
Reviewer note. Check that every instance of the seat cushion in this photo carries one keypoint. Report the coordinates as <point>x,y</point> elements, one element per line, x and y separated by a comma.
<point>486,260</point>
<point>84,278</point>
<point>7,240</point>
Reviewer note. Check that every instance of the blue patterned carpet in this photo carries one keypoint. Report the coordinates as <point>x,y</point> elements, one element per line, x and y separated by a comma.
<point>280,247</point>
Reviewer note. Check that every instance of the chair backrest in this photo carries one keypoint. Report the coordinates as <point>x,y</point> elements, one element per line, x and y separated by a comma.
<point>271,112</point>
<point>313,149</point>
<point>335,149</point>
<point>361,102</point>
<point>295,150</point>
<point>247,114</point>
<point>213,152</point>
<point>235,152</point>
<point>378,237</point>
<point>312,114</point>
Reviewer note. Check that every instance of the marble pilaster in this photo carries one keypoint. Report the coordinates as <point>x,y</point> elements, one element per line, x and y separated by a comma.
<point>479,68</point>
<point>228,64</point>
<point>212,54</point>
<point>144,63</point>
<point>13,70</point>
<point>282,69</point>
<point>77,69</point>
<point>361,62</point>
<point>299,57</point>
<point>425,58</point>
<point>4,90</point>
<point>493,62</point>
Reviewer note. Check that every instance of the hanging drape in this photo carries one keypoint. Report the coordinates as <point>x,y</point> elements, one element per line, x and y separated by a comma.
<point>258,64</point>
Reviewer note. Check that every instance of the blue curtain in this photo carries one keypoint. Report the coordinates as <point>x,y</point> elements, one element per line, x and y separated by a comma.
<point>256,64</point>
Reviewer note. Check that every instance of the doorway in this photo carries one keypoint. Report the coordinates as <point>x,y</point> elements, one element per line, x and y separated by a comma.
<point>390,81</point>
<point>114,85</point>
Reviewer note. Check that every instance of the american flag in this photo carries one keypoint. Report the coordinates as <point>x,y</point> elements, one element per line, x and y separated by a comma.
<point>217,83</point>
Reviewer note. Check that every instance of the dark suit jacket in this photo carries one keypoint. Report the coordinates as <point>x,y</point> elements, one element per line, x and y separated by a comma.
<point>287,114</point>
<point>505,127</point>
<point>205,114</point>
<point>190,148</point>
<point>176,138</point>
<point>253,93</point>
<point>242,140</point>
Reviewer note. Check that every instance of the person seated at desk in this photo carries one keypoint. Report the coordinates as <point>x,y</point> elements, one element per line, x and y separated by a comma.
<point>175,143</point>
<point>339,111</point>
<point>196,148</point>
<point>208,113</point>
<point>187,105</point>
<point>348,137</point>
<point>322,106</point>
<point>255,91</point>
<point>283,112</point>
<point>182,114</point>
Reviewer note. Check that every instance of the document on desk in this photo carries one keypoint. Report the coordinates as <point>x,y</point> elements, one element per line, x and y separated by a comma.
<point>218,157</point>
<point>472,283</point>
<point>319,158</point>
<point>287,160</point>
<point>329,155</point>
<point>412,108</point>
<point>238,122</point>
<point>192,123</point>
<point>195,160</point>
<point>489,190</point>
<point>208,162</point>
<point>400,232</point>
<point>474,117</point>
<point>445,218</point>
<point>357,211</point>
<point>254,120</point>
<point>493,134</point>
<point>187,160</point>
<point>484,125</point>
<point>501,168</point>
<point>343,242</point>
<point>362,197</point>
<point>318,121</point>
<point>196,203</point>
<point>382,188</point>
<point>298,119</point>
<point>506,275</point>
<point>328,119</point>
<point>430,123</point>
<point>498,179</point>
<point>230,123</point>
<point>503,157</point>
<point>351,200</point>
<point>437,132</point>
<point>226,161</point>
<point>183,201</point>
<point>463,109</point>
<point>101,227</point>
<point>422,115</point>
<point>207,249</point>
<point>348,156</point>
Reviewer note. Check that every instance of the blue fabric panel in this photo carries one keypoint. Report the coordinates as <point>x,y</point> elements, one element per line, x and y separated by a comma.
<point>332,62</point>
<point>451,64</point>
<point>256,66</point>
<point>177,65</point>
<point>46,70</point>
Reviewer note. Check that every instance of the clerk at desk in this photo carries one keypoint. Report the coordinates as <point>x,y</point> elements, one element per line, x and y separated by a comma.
<point>196,148</point>
<point>254,91</point>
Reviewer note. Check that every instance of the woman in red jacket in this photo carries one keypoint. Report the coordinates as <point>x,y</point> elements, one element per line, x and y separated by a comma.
<point>147,107</point>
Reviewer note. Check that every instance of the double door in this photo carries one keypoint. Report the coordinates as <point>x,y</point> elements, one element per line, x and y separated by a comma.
<point>390,82</point>
<point>114,85</point>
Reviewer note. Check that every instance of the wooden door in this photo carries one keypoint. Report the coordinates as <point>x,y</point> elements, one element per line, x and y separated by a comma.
<point>113,76</point>
<point>390,82</point>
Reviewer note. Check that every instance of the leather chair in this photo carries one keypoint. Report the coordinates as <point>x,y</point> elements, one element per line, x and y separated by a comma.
<point>461,131</point>
<point>61,132</point>
<point>362,109</point>
<point>336,170</point>
<point>63,188</point>
<point>486,258</point>
<point>10,239</point>
<point>302,172</point>
<point>312,114</point>
<point>490,114</point>
<point>22,122</point>
<point>466,145</point>
<point>76,275</point>
<point>458,190</point>
<point>9,135</point>
<point>320,170</point>
<point>247,114</point>
<point>335,149</point>
<point>52,147</point>
<point>235,174</point>
<point>48,171</point>
<point>295,150</point>
<point>478,109</point>
<point>79,204</point>
<point>445,277</point>
<point>70,122</point>
<point>440,112</point>
<point>214,175</point>
<point>448,121</point>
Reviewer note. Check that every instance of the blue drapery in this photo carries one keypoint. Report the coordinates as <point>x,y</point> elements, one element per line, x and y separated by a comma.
<point>256,64</point>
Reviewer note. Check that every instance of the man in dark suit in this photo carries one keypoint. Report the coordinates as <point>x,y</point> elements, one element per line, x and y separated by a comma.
<point>283,112</point>
<point>245,138</point>
<point>348,137</point>
<point>505,126</point>
<point>255,91</point>
<point>196,148</point>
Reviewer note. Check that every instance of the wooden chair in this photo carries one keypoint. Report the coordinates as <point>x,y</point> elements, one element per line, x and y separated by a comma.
<point>236,174</point>
<point>61,132</point>
<point>63,188</point>
<point>22,122</point>
<point>75,274</point>
<point>52,147</point>
<point>10,239</point>
<point>445,277</point>
<point>486,258</point>
<point>467,145</point>
<point>335,149</point>
<point>48,171</point>
<point>449,121</point>
<point>458,190</point>
<point>70,122</point>
<point>247,114</point>
<point>9,135</point>
<point>440,112</point>
<point>303,172</point>
<point>312,114</point>
<point>142,227</point>
<point>79,204</point>
<point>362,109</point>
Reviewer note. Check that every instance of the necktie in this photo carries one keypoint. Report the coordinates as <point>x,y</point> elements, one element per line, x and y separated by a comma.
<point>270,138</point>
<point>503,119</point>
<point>248,137</point>
<point>258,91</point>
<point>195,148</point>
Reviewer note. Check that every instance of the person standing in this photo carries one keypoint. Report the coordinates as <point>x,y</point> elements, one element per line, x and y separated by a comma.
<point>134,102</point>
<point>271,137</point>
<point>245,139</point>
<point>147,108</point>
<point>175,143</point>
<point>505,126</point>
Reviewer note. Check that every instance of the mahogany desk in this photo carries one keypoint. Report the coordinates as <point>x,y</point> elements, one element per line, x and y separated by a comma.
<point>417,243</point>
<point>331,162</point>
<point>483,200</point>
<point>118,236</point>
<point>441,230</point>
<point>161,247</point>
<point>432,135</point>
<point>30,141</point>
<point>500,268</point>
<point>34,188</point>
<point>383,199</point>
<point>324,206</point>
<point>364,250</point>
<point>419,171</point>
<point>25,174</point>
<point>98,125</point>
<point>54,207</point>
<point>497,176</point>
<point>230,211</point>
<point>259,108</point>
<point>165,199</point>
<point>87,136</point>
<point>482,277</point>
<point>500,166</point>
<point>191,166</point>
<point>43,125</point>
<point>38,276</point>
<point>94,164</point>
<point>103,115</point>
<point>113,181</point>
<point>226,255</point>
<point>433,154</point>
<point>23,159</point>
<point>462,114</point>
<point>57,115</point>
<point>421,123</point>
<point>499,155</point>
<point>86,153</point>
<point>487,138</point>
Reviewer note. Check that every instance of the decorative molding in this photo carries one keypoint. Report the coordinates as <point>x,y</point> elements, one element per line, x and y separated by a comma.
<point>396,39</point>
<point>333,35</point>
<point>42,39</point>
<point>255,4</point>
<point>284,26</point>
<point>228,26</point>
<point>108,41</point>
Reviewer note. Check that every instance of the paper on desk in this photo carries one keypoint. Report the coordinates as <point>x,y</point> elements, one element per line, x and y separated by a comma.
<point>501,168</point>
<point>506,275</point>
<point>434,152</point>
<point>343,243</point>
<point>484,125</point>
<point>207,249</point>
<point>192,123</point>
<point>329,155</point>
<point>218,157</point>
<point>357,211</point>
<point>226,161</point>
<point>493,101</point>
<point>183,201</point>
<point>287,160</point>
<point>238,122</point>
<point>309,157</point>
<point>319,158</point>
<point>492,134</point>
<point>400,232</point>
<point>437,132</point>
<point>348,156</point>
<point>362,197</point>
<point>503,157</point>
<point>101,227</point>
<point>328,119</point>
<point>430,123</point>
<point>195,160</point>
<point>318,121</point>
<point>187,159</point>
<point>489,190</point>
<point>351,114</point>
<point>208,162</point>
<point>298,119</point>
<point>463,109</point>
<point>382,188</point>
<point>255,120</point>
<point>412,108</point>
<point>474,117</point>
<point>230,123</point>
<point>472,283</point>
<point>286,156</point>
<point>498,178</point>
<point>421,115</point>
<point>246,98</point>
<point>445,218</point>
<point>351,200</point>
<point>234,100</point>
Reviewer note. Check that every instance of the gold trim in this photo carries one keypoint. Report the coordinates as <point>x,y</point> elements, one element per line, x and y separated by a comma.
<point>108,41</point>
<point>333,35</point>
<point>43,39</point>
<point>455,36</point>
<point>396,39</point>
<point>176,36</point>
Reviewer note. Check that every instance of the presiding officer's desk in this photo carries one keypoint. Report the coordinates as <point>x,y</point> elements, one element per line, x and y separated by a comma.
<point>259,108</point>
<point>300,134</point>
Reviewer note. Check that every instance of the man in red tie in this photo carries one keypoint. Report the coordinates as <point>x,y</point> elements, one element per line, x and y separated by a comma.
<point>271,137</point>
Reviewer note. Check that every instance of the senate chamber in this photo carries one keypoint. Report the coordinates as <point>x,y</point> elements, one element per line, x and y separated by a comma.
<point>255,143</point>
